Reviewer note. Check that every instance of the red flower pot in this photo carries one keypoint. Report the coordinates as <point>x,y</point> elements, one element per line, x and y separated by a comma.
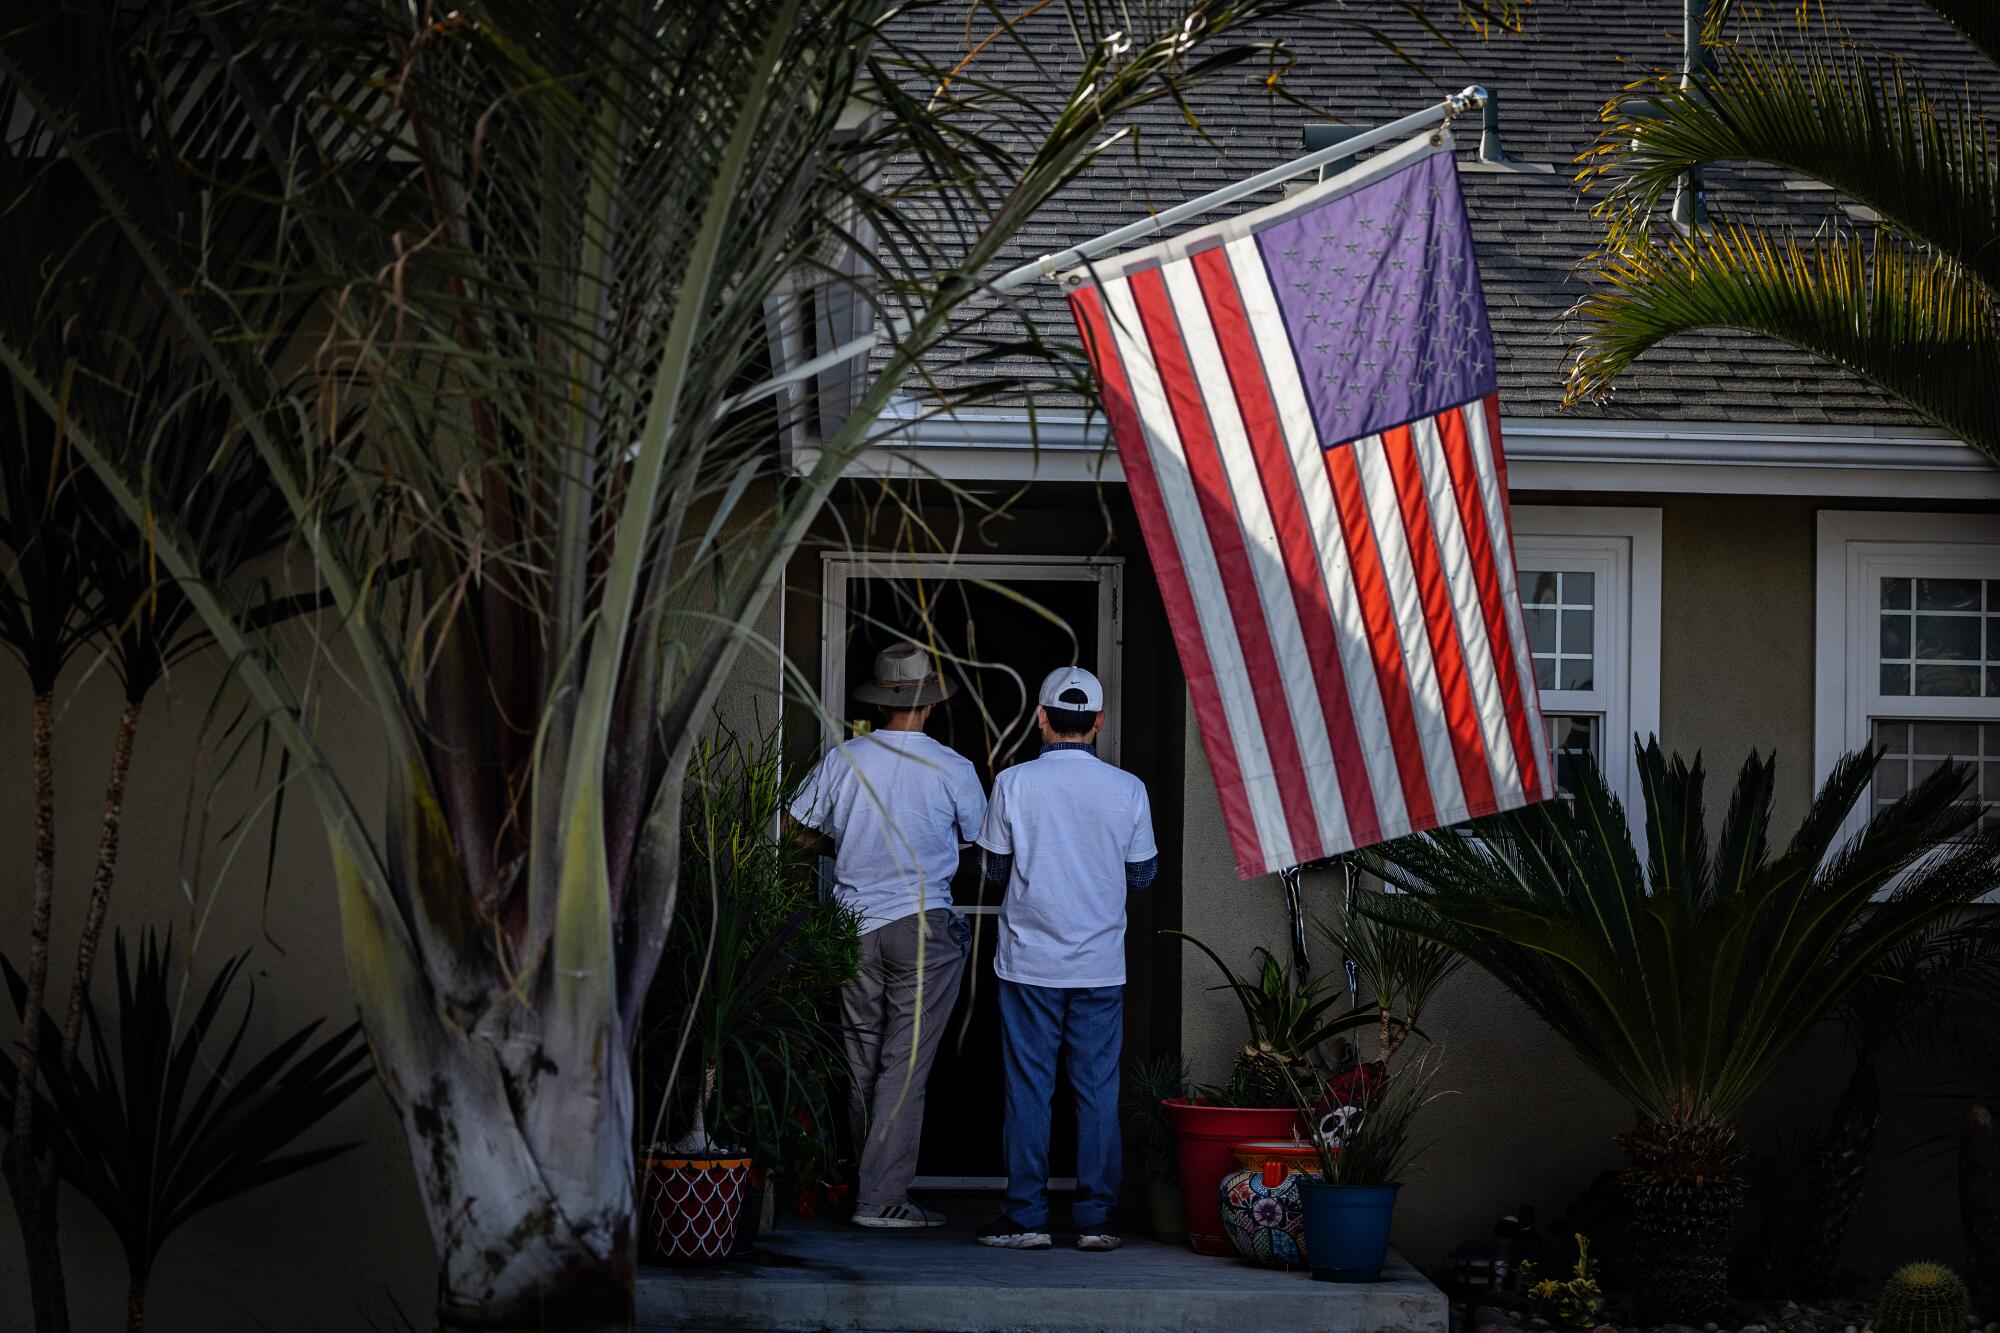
<point>1203,1135</point>
<point>690,1207</point>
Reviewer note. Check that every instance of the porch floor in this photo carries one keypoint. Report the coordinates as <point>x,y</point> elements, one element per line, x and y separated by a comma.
<point>811,1276</point>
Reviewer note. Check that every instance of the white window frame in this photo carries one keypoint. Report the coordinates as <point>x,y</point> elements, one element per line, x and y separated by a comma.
<point>1855,550</point>
<point>1621,547</point>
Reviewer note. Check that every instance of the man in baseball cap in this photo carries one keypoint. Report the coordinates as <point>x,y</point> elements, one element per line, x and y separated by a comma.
<point>891,807</point>
<point>1069,836</point>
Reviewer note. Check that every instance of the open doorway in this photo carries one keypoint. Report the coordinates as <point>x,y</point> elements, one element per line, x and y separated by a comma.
<point>1000,624</point>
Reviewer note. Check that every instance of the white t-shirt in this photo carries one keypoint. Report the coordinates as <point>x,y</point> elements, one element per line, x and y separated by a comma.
<point>1071,822</point>
<point>897,805</point>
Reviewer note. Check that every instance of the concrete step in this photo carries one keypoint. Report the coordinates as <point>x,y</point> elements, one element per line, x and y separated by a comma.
<point>823,1276</point>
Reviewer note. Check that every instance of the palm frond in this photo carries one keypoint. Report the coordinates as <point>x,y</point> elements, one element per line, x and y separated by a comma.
<point>1685,989</point>
<point>1865,125</point>
<point>1910,321</point>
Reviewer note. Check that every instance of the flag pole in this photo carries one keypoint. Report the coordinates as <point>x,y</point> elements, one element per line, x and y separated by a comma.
<point>1468,99</point>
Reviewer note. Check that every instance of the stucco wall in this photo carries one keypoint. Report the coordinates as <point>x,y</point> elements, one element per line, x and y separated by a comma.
<point>1526,1120</point>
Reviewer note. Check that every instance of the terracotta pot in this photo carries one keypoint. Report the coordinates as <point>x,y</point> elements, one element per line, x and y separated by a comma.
<point>691,1207</point>
<point>1203,1135</point>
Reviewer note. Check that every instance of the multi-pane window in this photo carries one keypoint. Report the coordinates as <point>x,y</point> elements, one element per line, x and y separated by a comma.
<point>1590,602</point>
<point>1912,751</point>
<point>1560,607</point>
<point>1909,649</point>
<point>1940,637</point>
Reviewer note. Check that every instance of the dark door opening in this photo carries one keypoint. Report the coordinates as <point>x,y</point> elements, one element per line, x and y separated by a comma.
<point>997,643</point>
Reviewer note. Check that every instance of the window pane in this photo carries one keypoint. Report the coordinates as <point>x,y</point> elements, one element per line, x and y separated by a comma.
<point>1538,587</point>
<point>1541,631</point>
<point>1545,673</point>
<point>1950,682</point>
<point>1947,594</point>
<point>1576,631</point>
<point>1952,638</point>
<point>1895,638</point>
<point>1895,594</point>
<point>1571,737</point>
<point>1579,588</point>
<point>1896,679</point>
<point>1575,673</point>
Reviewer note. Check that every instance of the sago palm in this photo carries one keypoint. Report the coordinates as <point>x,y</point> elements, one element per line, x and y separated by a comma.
<point>1686,973</point>
<point>524,459</point>
<point>1906,299</point>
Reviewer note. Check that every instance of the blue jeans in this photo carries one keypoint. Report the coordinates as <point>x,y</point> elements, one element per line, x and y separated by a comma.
<point>1087,1026</point>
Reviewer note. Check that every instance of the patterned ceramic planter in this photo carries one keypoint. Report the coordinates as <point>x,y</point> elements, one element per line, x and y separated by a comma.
<point>690,1207</point>
<point>1261,1209</point>
<point>1202,1135</point>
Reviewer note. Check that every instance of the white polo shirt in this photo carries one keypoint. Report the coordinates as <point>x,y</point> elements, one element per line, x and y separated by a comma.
<point>897,804</point>
<point>1071,822</point>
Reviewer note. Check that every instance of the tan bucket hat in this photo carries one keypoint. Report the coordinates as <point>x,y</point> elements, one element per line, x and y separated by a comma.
<point>904,679</point>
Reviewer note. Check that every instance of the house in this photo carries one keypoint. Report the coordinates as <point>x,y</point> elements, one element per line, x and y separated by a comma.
<point>1743,548</point>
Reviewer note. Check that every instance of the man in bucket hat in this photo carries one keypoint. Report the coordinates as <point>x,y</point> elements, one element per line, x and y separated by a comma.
<point>892,807</point>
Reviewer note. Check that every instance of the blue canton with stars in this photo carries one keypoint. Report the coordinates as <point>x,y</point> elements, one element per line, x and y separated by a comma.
<point>1379,290</point>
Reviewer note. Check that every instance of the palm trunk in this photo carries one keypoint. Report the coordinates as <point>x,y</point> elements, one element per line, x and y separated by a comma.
<point>30,1179</point>
<point>1835,1177</point>
<point>135,1304</point>
<point>1684,1184</point>
<point>100,880</point>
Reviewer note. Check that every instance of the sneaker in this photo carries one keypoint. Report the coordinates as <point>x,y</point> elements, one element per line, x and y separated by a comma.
<point>902,1216</point>
<point>1101,1238</point>
<point>1005,1235</point>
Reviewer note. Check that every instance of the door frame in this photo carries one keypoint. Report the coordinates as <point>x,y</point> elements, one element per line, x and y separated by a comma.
<point>1107,572</point>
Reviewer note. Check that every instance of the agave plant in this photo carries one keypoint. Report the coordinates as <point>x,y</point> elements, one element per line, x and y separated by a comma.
<point>540,243</point>
<point>169,1123</point>
<point>1907,302</point>
<point>1686,975</point>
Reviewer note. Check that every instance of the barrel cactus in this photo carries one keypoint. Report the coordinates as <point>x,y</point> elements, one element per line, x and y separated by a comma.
<point>1923,1297</point>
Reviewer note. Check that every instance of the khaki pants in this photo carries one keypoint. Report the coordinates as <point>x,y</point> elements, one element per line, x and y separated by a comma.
<point>890,1045</point>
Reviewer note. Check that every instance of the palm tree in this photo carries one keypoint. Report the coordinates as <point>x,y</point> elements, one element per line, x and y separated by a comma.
<point>1907,302</point>
<point>1684,979</point>
<point>540,242</point>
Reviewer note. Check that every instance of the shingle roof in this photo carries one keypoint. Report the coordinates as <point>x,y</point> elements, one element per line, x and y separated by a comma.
<point>1532,231</point>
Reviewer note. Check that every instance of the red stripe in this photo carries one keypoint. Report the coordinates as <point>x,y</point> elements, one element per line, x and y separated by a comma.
<point>1295,540</point>
<point>1088,307</point>
<point>1492,405</point>
<point>1486,573</point>
<point>1461,709</point>
<point>1225,538</point>
<point>1371,586</point>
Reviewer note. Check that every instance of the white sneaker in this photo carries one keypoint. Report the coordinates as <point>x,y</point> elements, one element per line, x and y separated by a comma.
<point>1099,1240</point>
<point>1004,1235</point>
<point>898,1216</point>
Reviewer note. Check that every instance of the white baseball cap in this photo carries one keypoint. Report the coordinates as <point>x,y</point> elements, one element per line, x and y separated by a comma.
<point>1074,688</point>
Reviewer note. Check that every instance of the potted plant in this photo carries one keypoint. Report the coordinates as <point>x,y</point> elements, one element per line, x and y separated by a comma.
<point>1147,1091</point>
<point>747,999</point>
<point>1363,1147</point>
<point>1288,1019</point>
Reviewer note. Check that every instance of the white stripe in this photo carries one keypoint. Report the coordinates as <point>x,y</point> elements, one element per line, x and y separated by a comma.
<point>1350,628</point>
<point>1491,501</point>
<point>1204,579</point>
<point>1378,488</point>
<point>1267,559</point>
<point>1455,557</point>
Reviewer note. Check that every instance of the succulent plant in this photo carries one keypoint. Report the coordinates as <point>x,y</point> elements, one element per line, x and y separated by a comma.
<point>1923,1297</point>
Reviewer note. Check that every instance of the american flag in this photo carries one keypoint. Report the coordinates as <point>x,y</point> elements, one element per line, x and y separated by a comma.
<point>1304,402</point>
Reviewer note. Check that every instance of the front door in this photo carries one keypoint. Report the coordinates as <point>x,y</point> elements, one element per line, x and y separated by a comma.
<point>1000,625</point>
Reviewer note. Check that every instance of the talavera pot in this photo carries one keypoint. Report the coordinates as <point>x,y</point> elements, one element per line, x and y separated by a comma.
<point>1262,1212</point>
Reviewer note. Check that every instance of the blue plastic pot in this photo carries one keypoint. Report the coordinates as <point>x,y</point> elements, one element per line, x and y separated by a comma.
<point>1347,1229</point>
